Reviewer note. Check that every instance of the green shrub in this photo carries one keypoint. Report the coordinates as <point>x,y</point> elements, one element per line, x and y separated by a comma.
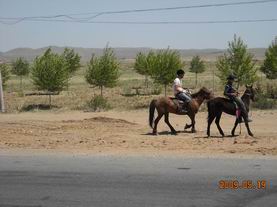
<point>98,103</point>
<point>271,90</point>
<point>263,102</point>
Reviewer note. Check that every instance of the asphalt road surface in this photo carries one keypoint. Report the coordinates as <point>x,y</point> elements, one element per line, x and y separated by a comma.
<point>29,180</point>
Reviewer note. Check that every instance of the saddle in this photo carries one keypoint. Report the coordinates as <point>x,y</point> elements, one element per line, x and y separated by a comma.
<point>179,103</point>
<point>232,102</point>
<point>176,100</point>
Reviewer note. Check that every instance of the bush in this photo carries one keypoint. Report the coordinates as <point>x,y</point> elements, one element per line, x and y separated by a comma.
<point>5,72</point>
<point>262,102</point>
<point>98,103</point>
<point>271,90</point>
<point>264,98</point>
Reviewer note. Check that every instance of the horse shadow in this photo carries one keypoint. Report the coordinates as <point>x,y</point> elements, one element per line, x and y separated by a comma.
<point>169,133</point>
<point>215,137</point>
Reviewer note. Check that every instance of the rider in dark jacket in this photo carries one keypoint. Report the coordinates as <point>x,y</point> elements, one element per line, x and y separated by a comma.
<point>232,94</point>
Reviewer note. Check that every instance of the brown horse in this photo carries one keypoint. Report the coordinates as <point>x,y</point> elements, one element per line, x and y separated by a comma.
<point>166,105</point>
<point>219,104</point>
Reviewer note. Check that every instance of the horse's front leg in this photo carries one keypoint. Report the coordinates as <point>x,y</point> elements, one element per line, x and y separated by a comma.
<point>235,126</point>
<point>247,127</point>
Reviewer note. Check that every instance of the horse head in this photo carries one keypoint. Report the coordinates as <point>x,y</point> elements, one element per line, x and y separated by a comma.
<point>250,91</point>
<point>206,93</point>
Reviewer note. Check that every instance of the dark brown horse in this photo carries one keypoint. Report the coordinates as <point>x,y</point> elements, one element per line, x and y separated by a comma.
<point>219,104</point>
<point>166,105</point>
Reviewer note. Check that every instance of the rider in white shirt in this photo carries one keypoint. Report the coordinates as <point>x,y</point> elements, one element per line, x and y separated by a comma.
<point>179,92</point>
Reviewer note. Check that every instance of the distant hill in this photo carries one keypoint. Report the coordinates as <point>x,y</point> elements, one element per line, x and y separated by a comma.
<point>121,53</point>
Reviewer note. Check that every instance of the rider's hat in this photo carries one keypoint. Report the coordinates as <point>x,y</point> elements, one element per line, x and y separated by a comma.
<point>231,77</point>
<point>180,72</point>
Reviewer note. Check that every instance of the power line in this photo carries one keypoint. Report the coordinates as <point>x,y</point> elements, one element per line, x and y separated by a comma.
<point>15,20</point>
<point>162,22</point>
<point>186,22</point>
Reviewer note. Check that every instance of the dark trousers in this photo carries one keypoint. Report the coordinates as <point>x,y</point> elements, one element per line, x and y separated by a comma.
<point>184,97</point>
<point>240,104</point>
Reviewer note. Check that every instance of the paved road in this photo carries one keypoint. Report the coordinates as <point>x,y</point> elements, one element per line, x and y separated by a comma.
<point>67,180</point>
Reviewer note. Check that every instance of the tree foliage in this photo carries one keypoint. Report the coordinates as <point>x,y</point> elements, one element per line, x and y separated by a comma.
<point>196,66</point>
<point>5,73</point>
<point>144,63</point>
<point>103,71</point>
<point>72,60</point>
<point>20,67</point>
<point>49,72</point>
<point>269,67</point>
<point>237,61</point>
<point>164,67</point>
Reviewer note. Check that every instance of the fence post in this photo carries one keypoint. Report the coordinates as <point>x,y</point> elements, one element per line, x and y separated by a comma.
<point>2,105</point>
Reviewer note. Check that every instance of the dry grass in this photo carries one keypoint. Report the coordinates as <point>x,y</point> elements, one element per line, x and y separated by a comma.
<point>122,97</point>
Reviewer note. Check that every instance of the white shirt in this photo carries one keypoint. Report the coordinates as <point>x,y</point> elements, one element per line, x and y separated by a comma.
<point>177,82</point>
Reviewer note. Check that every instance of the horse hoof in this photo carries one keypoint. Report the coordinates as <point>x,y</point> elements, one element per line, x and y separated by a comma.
<point>187,126</point>
<point>250,134</point>
<point>174,133</point>
<point>193,131</point>
<point>155,133</point>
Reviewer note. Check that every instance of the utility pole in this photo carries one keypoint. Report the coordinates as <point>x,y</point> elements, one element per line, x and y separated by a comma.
<point>2,106</point>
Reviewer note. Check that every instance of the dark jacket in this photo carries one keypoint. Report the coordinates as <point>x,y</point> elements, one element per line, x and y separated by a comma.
<point>228,90</point>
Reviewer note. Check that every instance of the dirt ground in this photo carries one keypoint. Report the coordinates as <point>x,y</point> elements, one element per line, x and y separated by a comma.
<point>127,132</point>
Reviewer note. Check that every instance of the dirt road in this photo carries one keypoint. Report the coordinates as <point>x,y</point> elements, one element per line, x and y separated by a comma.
<point>128,132</point>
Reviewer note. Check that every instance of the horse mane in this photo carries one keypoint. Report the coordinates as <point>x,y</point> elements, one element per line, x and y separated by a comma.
<point>201,91</point>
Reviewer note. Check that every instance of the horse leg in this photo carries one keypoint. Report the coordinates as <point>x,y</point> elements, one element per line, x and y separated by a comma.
<point>217,120</point>
<point>192,118</point>
<point>166,115</point>
<point>235,126</point>
<point>210,121</point>
<point>160,115</point>
<point>247,126</point>
<point>188,126</point>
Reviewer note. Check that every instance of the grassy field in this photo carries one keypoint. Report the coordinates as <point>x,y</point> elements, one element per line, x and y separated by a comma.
<point>122,97</point>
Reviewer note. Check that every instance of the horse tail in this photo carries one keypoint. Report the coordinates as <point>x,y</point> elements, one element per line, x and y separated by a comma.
<point>152,112</point>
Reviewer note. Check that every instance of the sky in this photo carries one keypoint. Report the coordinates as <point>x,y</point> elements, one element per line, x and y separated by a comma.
<point>37,34</point>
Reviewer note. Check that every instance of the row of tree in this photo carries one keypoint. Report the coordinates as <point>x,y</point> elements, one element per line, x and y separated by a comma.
<point>161,66</point>
<point>51,72</point>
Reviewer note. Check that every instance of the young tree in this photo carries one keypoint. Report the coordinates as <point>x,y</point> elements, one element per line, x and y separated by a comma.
<point>164,68</point>
<point>144,63</point>
<point>20,68</point>
<point>237,61</point>
<point>72,62</point>
<point>196,66</point>
<point>49,73</point>
<point>103,71</point>
<point>269,67</point>
<point>5,73</point>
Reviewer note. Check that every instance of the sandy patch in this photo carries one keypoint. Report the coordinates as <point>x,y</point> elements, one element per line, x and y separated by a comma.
<point>128,132</point>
